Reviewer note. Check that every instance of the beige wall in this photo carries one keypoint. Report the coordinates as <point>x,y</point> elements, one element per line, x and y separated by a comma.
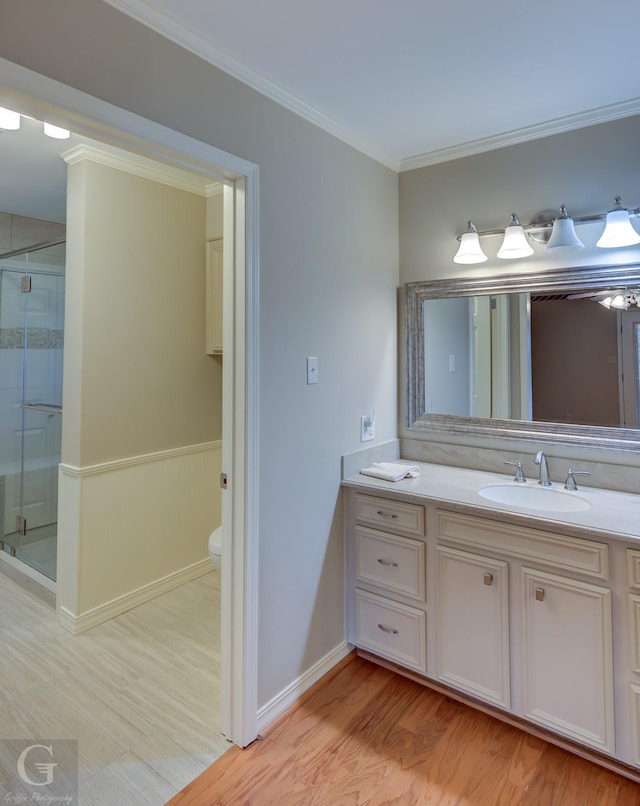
<point>141,381</point>
<point>19,232</point>
<point>142,401</point>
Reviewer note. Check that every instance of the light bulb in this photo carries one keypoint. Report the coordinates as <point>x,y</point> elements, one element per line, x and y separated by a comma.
<point>10,121</point>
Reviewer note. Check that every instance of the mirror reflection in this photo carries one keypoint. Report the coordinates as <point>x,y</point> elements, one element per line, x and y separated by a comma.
<point>546,353</point>
<point>560,358</point>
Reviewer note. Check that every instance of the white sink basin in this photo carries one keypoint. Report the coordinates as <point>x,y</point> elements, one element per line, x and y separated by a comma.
<point>534,496</point>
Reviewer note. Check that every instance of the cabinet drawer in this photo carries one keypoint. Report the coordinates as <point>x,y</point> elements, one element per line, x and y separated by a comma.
<point>386,512</point>
<point>634,633</point>
<point>391,562</point>
<point>582,556</point>
<point>391,629</point>
<point>633,568</point>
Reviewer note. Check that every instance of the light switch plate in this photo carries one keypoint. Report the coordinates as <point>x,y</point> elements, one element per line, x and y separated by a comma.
<point>312,369</point>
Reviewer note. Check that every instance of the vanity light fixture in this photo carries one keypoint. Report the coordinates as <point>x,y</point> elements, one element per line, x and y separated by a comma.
<point>556,231</point>
<point>515,242</point>
<point>470,250</point>
<point>56,132</point>
<point>618,230</point>
<point>563,234</point>
<point>9,121</point>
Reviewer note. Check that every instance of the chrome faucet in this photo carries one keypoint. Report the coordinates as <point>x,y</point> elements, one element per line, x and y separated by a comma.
<point>541,460</point>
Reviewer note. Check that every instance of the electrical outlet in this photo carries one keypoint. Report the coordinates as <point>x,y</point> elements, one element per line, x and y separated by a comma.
<point>367,427</point>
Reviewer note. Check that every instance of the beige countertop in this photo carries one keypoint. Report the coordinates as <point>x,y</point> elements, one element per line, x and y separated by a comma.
<point>611,513</point>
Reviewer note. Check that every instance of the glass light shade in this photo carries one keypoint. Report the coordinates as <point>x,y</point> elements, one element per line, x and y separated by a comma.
<point>563,234</point>
<point>470,250</point>
<point>620,302</point>
<point>9,120</point>
<point>56,132</point>
<point>515,242</point>
<point>618,230</point>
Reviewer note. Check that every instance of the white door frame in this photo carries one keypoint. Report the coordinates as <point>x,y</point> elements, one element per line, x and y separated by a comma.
<point>40,97</point>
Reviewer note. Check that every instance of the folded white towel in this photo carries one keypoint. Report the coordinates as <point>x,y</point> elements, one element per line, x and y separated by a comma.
<point>390,471</point>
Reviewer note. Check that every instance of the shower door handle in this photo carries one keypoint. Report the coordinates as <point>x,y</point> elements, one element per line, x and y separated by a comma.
<point>49,408</point>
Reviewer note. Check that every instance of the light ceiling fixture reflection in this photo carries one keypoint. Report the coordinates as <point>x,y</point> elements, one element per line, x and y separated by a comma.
<point>515,242</point>
<point>621,300</point>
<point>618,230</point>
<point>563,234</point>
<point>9,121</point>
<point>470,250</point>
<point>56,132</point>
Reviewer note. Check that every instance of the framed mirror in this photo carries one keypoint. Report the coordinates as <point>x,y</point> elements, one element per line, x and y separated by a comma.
<point>529,356</point>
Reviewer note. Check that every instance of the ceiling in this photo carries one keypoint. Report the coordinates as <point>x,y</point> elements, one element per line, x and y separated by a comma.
<point>409,82</point>
<point>34,175</point>
<point>413,82</point>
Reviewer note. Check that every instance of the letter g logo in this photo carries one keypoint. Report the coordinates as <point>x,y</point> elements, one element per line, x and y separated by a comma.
<point>44,768</point>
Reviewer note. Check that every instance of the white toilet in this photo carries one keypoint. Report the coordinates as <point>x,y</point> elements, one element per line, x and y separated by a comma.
<point>215,546</point>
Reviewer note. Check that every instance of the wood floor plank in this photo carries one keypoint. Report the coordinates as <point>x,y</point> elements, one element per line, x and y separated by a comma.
<point>372,738</point>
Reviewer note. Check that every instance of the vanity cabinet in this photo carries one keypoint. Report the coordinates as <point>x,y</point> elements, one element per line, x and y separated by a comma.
<point>633,612</point>
<point>213,309</point>
<point>568,657</point>
<point>505,613</point>
<point>564,623</point>
<point>387,561</point>
<point>473,624</point>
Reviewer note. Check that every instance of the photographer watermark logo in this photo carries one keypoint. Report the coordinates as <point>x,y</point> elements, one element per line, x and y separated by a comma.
<point>39,771</point>
<point>44,768</point>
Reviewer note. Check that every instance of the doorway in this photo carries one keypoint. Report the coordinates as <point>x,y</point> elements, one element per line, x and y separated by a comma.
<point>37,96</point>
<point>31,362</point>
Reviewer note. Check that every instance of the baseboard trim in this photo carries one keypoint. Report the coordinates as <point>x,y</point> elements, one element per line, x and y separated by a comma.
<point>289,695</point>
<point>116,607</point>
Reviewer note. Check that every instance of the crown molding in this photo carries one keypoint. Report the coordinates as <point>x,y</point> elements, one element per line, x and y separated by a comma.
<point>172,28</point>
<point>568,123</point>
<point>142,167</point>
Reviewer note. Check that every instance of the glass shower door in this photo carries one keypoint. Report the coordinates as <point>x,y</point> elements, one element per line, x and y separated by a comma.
<point>31,322</point>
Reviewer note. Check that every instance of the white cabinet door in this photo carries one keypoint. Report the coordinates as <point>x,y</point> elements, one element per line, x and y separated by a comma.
<point>213,328</point>
<point>473,625</point>
<point>568,668</point>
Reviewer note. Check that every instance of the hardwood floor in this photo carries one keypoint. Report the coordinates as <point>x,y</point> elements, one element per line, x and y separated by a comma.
<point>368,736</point>
<point>139,693</point>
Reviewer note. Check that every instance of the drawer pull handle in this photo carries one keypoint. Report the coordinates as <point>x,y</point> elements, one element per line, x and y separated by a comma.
<point>539,594</point>
<point>488,579</point>
<point>388,563</point>
<point>390,516</point>
<point>384,628</point>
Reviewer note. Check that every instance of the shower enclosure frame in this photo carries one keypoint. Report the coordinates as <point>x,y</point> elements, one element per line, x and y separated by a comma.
<point>31,425</point>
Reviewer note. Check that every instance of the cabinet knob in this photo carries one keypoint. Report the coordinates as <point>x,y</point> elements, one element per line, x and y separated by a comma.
<point>388,563</point>
<point>488,579</point>
<point>384,628</point>
<point>539,594</point>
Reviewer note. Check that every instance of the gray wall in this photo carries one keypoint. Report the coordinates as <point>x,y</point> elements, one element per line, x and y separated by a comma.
<point>583,169</point>
<point>328,277</point>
